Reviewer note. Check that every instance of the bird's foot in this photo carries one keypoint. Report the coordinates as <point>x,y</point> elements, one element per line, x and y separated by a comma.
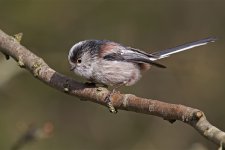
<point>110,106</point>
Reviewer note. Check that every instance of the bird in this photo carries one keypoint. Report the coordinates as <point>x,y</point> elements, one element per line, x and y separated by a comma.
<point>113,64</point>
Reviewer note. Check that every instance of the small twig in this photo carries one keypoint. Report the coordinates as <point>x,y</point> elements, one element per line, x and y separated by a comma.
<point>18,37</point>
<point>170,112</point>
<point>33,133</point>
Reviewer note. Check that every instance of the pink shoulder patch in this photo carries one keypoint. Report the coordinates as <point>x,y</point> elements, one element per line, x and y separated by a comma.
<point>107,48</point>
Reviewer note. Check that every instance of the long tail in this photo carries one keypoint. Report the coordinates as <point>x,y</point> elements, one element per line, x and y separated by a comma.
<point>180,48</point>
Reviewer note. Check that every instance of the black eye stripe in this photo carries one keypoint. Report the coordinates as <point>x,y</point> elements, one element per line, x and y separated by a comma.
<point>76,53</point>
<point>73,58</point>
<point>91,46</point>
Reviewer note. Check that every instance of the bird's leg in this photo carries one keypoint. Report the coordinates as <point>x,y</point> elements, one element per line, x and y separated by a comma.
<point>112,109</point>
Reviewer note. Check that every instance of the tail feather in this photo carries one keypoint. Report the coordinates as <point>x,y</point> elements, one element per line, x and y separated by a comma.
<point>168,52</point>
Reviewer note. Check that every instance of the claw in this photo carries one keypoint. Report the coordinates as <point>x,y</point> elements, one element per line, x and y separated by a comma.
<point>112,109</point>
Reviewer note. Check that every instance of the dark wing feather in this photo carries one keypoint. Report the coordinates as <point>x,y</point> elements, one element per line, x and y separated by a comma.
<point>141,52</point>
<point>140,58</point>
<point>132,56</point>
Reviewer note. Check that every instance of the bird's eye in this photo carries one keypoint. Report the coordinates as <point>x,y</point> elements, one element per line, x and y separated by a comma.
<point>79,61</point>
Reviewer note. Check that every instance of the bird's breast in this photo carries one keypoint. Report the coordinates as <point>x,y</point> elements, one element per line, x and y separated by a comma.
<point>115,72</point>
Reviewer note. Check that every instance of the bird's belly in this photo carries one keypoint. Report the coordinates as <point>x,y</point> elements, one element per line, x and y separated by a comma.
<point>114,73</point>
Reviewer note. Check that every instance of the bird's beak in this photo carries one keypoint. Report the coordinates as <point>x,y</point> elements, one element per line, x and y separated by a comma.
<point>72,68</point>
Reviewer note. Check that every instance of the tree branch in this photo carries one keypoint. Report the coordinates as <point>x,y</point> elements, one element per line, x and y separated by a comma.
<point>172,112</point>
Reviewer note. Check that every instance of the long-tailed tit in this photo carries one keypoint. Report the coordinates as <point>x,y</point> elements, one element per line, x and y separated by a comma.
<point>113,64</point>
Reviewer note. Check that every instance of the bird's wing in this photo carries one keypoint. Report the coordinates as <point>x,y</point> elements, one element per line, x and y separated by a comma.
<point>141,52</point>
<point>132,55</point>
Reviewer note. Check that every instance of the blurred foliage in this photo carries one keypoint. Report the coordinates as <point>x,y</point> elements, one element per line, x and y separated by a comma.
<point>50,27</point>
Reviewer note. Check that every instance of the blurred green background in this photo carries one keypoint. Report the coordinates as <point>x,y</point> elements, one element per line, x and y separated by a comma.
<point>194,78</point>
